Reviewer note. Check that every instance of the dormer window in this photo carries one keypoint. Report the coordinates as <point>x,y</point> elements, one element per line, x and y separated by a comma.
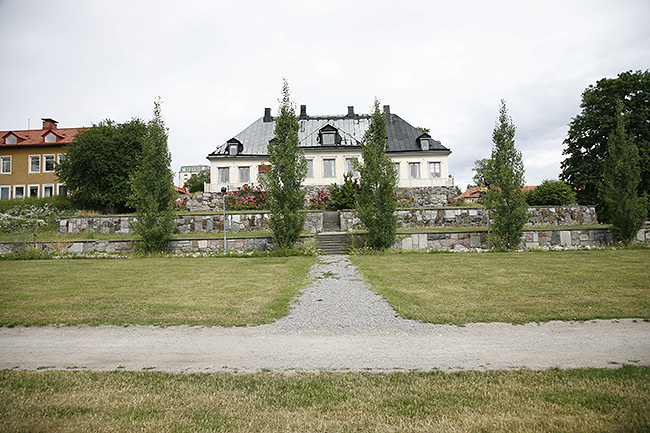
<point>50,138</point>
<point>11,139</point>
<point>234,147</point>
<point>425,143</point>
<point>328,136</point>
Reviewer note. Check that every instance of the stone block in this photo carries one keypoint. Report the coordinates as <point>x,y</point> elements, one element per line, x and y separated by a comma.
<point>565,238</point>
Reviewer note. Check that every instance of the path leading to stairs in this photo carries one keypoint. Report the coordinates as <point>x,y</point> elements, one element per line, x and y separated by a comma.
<point>337,324</point>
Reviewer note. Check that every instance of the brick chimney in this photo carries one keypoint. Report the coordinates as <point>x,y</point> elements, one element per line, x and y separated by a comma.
<point>303,112</point>
<point>49,123</point>
<point>267,115</point>
<point>387,111</point>
<point>350,111</point>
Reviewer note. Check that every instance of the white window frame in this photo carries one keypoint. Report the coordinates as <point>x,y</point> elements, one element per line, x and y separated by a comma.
<point>2,164</point>
<point>233,149</point>
<point>50,138</point>
<point>45,170</point>
<point>16,188</point>
<point>419,171</point>
<point>223,174</point>
<point>48,185</point>
<point>11,139</point>
<point>398,170</point>
<point>333,168</point>
<point>348,165</point>
<point>8,189</point>
<point>310,168</point>
<point>58,188</point>
<point>435,173</point>
<point>247,170</point>
<point>36,187</point>
<point>36,158</point>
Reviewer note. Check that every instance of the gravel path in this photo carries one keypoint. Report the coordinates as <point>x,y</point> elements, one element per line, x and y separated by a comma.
<point>337,324</point>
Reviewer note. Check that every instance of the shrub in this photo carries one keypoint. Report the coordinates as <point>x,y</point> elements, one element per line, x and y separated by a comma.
<point>345,196</point>
<point>247,197</point>
<point>551,193</point>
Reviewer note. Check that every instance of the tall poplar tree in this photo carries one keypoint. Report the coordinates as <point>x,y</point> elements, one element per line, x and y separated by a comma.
<point>152,192</point>
<point>505,175</point>
<point>621,178</point>
<point>285,177</point>
<point>376,205</point>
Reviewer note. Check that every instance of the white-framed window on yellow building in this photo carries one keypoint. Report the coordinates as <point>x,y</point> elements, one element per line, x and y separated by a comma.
<point>32,190</point>
<point>48,163</point>
<point>48,190</point>
<point>5,192</point>
<point>34,163</point>
<point>19,191</point>
<point>5,164</point>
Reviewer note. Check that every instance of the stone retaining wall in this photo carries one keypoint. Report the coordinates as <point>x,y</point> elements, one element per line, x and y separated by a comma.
<point>406,219</point>
<point>448,241</point>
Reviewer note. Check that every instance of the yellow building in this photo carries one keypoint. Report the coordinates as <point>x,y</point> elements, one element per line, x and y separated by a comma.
<point>28,158</point>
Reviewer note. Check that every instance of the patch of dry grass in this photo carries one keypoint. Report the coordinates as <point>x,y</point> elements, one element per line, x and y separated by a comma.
<point>150,291</point>
<point>513,287</point>
<point>532,401</point>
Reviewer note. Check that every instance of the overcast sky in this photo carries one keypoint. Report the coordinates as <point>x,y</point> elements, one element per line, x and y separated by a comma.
<point>444,65</point>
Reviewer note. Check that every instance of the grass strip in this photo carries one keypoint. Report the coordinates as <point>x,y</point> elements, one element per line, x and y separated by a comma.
<point>150,291</point>
<point>496,401</point>
<point>512,287</point>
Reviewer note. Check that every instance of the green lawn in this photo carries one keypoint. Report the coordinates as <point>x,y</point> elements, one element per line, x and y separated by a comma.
<point>497,401</point>
<point>150,291</point>
<point>513,287</point>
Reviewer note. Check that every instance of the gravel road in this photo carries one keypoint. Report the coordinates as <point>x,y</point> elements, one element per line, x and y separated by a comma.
<point>337,324</point>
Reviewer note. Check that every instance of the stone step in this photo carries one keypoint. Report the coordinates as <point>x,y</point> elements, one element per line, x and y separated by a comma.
<point>333,243</point>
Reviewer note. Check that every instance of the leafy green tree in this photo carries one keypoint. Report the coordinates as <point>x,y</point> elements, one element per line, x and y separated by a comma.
<point>586,143</point>
<point>97,165</point>
<point>621,178</point>
<point>197,181</point>
<point>151,184</point>
<point>287,172</point>
<point>376,205</point>
<point>480,167</point>
<point>345,196</point>
<point>551,193</point>
<point>505,175</point>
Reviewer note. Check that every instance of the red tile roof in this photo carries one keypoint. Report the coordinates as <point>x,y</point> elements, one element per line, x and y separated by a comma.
<point>36,137</point>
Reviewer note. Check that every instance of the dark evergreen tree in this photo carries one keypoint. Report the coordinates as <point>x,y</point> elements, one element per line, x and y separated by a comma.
<point>621,178</point>
<point>589,132</point>
<point>283,181</point>
<point>376,205</point>
<point>152,191</point>
<point>505,174</point>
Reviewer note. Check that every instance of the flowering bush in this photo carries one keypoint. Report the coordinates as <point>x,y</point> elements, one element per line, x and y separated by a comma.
<point>403,200</point>
<point>247,197</point>
<point>181,203</point>
<point>320,201</point>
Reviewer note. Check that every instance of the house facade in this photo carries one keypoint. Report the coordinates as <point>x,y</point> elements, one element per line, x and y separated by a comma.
<point>28,158</point>
<point>330,143</point>
<point>187,171</point>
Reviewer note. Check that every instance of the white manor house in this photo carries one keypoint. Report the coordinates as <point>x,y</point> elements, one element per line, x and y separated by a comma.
<point>330,144</point>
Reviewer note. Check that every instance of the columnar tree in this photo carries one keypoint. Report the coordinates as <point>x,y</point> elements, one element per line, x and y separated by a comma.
<point>621,178</point>
<point>285,176</point>
<point>504,173</point>
<point>376,205</point>
<point>152,192</point>
<point>98,164</point>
